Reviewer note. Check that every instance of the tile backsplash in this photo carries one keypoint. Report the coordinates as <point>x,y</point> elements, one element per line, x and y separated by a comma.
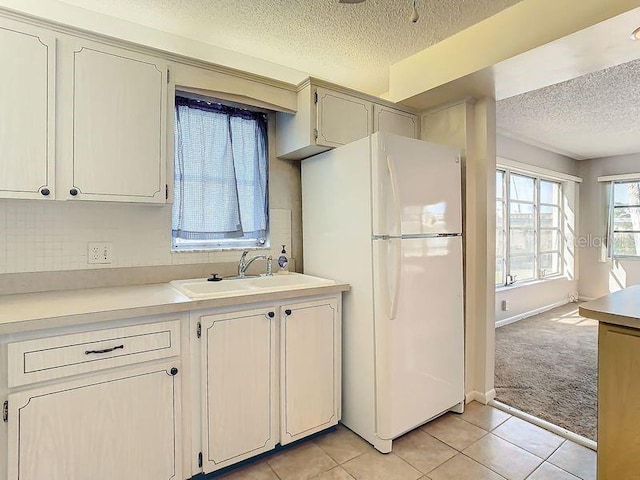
<point>52,236</point>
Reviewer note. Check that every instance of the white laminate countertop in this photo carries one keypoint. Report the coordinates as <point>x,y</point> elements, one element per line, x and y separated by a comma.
<point>618,308</point>
<point>36,311</point>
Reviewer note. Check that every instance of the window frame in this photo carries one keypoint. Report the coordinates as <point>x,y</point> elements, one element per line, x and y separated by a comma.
<point>611,229</point>
<point>537,228</point>
<point>182,246</point>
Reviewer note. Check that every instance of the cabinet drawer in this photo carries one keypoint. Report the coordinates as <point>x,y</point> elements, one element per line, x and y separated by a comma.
<point>54,357</point>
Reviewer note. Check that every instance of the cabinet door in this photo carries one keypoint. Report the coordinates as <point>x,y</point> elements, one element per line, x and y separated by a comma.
<point>123,425</point>
<point>341,118</point>
<point>390,120</point>
<point>119,111</point>
<point>27,99</point>
<point>239,410</point>
<point>618,407</point>
<point>309,368</point>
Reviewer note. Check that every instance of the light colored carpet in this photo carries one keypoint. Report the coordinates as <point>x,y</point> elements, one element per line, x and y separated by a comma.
<point>547,366</point>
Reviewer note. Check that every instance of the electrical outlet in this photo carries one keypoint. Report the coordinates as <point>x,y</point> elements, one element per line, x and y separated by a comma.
<point>99,252</point>
<point>505,306</point>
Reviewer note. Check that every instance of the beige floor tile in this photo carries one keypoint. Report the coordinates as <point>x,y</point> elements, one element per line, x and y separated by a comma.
<point>454,431</point>
<point>422,450</point>
<point>342,444</point>
<point>258,471</point>
<point>461,467</point>
<point>337,473</point>
<point>575,459</point>
<point>379,466</point>
<point>532,438</point>
<point>503,457</point>
<point>547,471</point>
<point>301,462</point>
<point>484,416</point>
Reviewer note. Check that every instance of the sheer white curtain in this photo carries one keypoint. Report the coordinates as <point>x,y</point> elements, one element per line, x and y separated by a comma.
<point>221,171</point>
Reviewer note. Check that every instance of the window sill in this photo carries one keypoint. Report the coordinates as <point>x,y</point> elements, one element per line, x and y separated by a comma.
<point>528,283</point>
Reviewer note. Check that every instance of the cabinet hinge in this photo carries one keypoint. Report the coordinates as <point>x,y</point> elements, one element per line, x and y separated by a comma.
<point>168,75</point>
<point>200,460</point>
<point>166,191</point>
<point>315,133</point>
<point>5,411</point>
<point>199,330</point>
<point>315,97</point>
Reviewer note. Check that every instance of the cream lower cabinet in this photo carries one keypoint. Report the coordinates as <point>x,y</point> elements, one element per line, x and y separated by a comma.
<point>104,427</point>
<point>269,375</point>
<point>102,404</point>
<point>238,382</point>
<point>309,368</point>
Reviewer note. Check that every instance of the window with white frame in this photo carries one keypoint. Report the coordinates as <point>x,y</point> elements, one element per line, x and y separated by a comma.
<point>220,176</point>
<point>528,227</point>
<point>624,227</point>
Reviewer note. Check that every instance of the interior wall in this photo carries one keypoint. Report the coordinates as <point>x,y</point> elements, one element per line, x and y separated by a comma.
<point>470,127</point>
<point>598,274</point>
<point>528,299</point>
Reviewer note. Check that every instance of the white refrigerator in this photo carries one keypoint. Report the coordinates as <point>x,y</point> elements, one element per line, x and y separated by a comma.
<point>384,214</point>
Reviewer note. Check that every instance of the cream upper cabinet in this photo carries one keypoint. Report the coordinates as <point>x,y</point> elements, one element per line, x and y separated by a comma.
<point>329,117</point>
<point>116,104</point>
<point>309,368</point>
<point>391,120</point>
<point>341,118</point>
<point>238,384</point>
<point>27,111</point>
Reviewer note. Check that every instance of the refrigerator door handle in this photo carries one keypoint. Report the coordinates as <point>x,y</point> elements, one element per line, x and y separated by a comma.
<point>396,197</point>
<point>395,297</point>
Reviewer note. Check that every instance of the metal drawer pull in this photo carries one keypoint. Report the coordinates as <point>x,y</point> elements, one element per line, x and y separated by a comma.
<point>106,350</point>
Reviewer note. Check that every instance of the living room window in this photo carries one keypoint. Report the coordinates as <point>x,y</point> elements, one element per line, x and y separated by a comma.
<point>624,220</point>
<point>220,176</point>
<point>528,227</point>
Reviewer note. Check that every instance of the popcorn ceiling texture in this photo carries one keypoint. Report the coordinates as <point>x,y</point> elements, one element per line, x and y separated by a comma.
<point>352,45</point>
<point>592,116</point>
<point>51,236</point>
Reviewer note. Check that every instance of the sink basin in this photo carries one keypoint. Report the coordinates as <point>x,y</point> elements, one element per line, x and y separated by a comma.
<point>292,280</point>
<point>200,288</point>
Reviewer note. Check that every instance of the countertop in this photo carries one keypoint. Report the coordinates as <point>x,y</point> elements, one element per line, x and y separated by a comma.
<point>618,308</point>
<point>36,311</point>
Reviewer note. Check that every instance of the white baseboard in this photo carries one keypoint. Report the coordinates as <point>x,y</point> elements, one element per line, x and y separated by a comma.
<point>483,398</point>
<point>522,316</point>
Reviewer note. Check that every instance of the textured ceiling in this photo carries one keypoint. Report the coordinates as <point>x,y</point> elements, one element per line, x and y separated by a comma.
<point>596,115</point>
<point>353,45</point>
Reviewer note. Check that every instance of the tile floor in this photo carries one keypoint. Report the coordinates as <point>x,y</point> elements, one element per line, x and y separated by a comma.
<point>482,443</point>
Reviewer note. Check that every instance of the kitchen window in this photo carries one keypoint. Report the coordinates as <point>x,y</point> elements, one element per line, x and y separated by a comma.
<point>528,227</point>
<point>220,176</point>
<point>624,219</point>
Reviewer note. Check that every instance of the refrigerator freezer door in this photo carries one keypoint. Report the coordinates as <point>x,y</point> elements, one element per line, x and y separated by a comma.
<point>419,353</point>
<point>416,187</point>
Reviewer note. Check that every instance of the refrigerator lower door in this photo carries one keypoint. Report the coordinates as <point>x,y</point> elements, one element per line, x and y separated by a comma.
<point>419,332</point>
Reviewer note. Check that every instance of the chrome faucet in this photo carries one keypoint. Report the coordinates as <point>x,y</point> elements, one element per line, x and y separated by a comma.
<point>243,264</point>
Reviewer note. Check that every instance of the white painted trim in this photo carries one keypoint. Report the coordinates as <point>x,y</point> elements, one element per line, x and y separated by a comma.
<point>586,299</point>
<point>563,432</point>
<point>530,313</point>
<point>544,172</point>
<point>476,396</point>
<point>615,178</point>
